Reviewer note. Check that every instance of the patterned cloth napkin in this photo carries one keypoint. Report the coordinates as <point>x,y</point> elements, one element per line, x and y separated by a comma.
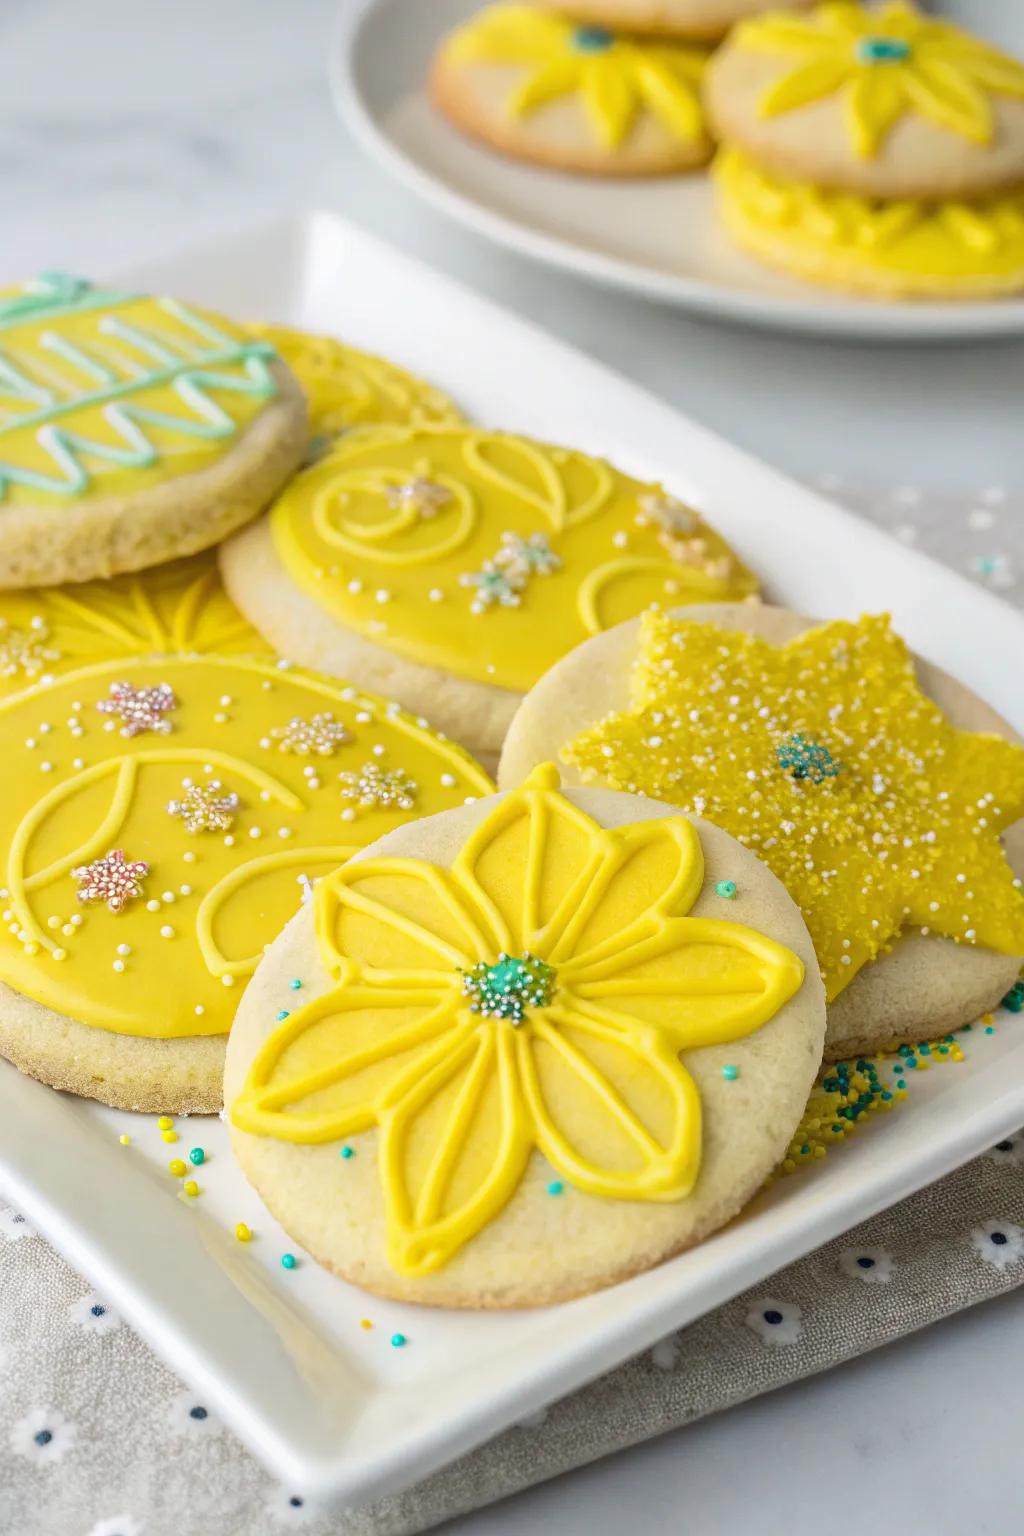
<point>140,1455</point>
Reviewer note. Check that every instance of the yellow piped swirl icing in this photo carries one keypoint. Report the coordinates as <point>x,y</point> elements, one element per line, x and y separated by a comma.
<point>590,1076</point>
<point>885,62</point>
<point>485,554</point>
<point>78,788</point>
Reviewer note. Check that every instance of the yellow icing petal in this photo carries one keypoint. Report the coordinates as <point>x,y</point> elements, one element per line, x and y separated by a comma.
<point>382,915</point>
<point>613,1108</point>
<point>671,96</point>
<point>453,1150</point>
<point>811,82</point>
<point>946,96</point>
<point>699,980</point>
<point>609,100</point>
<point>557,77</point>
<point>875,102</point>
<point>508,34</point>
<point>330,1068</point>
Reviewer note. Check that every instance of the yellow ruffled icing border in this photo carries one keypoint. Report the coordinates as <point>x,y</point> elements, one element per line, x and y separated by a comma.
<point>907,246</point>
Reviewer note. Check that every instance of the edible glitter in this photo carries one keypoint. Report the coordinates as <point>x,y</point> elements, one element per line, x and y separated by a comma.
<point>203,808</point>
<point>112,879</point>
<point>140,709</point>
<point>508,988</point>
<point>373,786</point>
<point>321,736</point>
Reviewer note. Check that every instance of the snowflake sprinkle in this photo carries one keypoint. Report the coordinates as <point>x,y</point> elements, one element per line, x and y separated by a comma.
<point>672,516</point>
<point>491,587</point>
<point>522,558</point>
<point>25,650</point>
<point>112,879</point>
<point>376,786</point>
<point>140,709</point>
<point>425,497</point>
<point>203,808</point>
<point>319,737</point>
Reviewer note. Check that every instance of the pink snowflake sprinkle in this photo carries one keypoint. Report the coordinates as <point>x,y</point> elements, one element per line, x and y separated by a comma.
<point>140,709</point>
<point>111,879</point>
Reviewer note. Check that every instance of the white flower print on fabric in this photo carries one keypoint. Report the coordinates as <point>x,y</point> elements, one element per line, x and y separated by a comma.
<point>42,1436</point>
<point>290,1509</point>
<point>665,1353</point>
<point>13,1225</point>
<point>1000,1243</point>
<point>189,1415</point>
<point>1009,1152</point>
<point>872,1265</point>
<point>775,1322</point>
<point>92,1313</point>
<point>116,1525</point>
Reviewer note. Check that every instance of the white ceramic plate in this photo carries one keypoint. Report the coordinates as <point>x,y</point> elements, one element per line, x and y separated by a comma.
<point>657,237</point>
<point>329,1406</point>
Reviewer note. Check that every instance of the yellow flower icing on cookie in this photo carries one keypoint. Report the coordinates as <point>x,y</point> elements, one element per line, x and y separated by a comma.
<point>908,245</point>
<point>181,606</point>
<point>489,555</point>
<point>826,759</point>
<point>886,62</point>
<point>106,394</point>
<point>221,784</point>
<point>346,387</point>
<point>535,995</point>
<point>614,77</point>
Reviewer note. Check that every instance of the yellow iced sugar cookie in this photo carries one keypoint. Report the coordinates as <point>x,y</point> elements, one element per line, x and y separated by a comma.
<point>882,100</point>
<point>824,757</point>
<point>161,819</point>
<point>450,567</point>
<point>547,997</point>
<point>576,97</point>
<point>132,429</point>
<point>904,249</point>
<point>346,387</point>
<point>181,606</point>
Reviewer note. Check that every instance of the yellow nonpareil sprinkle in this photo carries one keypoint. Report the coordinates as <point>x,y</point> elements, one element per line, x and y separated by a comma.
<point>177,1167</point>
<point>190,1187</point>
<point>243,1233</point>
<point>124,1140</point>
<point>824,757</point>
<point>168,1136</point>
<point>164,1123</point>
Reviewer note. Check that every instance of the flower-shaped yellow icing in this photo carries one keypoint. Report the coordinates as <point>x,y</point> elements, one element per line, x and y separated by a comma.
<point>346,387</point>
<point>178,607</point>
<point>826,759</point>
<point>614,77</point>
<point>886,62</point>
<point>535,995</point>
<point>488,555</point>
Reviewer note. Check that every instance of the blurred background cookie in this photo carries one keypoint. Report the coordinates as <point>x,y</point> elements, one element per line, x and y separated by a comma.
<point>134,430</point>
<point>876,149</point>
<point>705,20</point>
<point>449,567</point>
<point>576,97</point>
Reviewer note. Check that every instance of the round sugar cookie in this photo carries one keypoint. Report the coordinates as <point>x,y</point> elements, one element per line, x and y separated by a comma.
<point>885,102</point>
<point>162,818</point>
<point>884,250</point>
<point>345,387</point>
<point>601,706</point>
<point>542,1045</point>
<point>539,87</point>
<point>448,568</point>
<point>704,20</point>
<point>177,607</point>
<point>133,430</point>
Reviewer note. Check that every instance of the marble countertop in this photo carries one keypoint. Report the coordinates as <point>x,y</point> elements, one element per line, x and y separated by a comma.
<point>130,128</point>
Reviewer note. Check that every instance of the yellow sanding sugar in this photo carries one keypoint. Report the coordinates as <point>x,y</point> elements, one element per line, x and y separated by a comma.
<point>826,759</point>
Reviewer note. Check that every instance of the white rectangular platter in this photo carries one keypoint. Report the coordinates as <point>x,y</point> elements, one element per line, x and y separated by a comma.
<point>328,1404</point>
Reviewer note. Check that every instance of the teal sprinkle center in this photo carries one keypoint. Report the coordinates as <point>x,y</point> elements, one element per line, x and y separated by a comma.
<point>592,39</point>
<point>803,759</point>
<point>510,987</point>
<point>882,50</point>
